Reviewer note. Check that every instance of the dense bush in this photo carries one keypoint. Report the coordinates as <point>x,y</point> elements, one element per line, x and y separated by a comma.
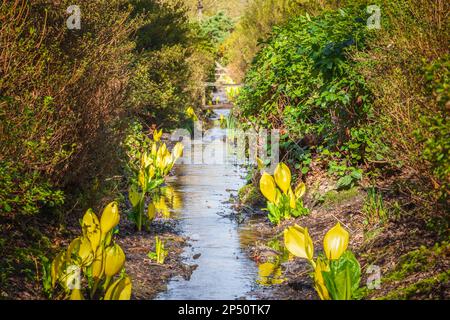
<point>303,82</point>
<point>63,92</point>
<point>406,71</point>
<point>348,96</point>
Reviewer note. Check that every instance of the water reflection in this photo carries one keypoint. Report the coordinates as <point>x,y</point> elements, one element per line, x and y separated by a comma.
<point>270,271</point>
<point>166,203</point>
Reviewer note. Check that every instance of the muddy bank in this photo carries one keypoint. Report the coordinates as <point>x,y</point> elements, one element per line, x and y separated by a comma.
<point>148,277</point>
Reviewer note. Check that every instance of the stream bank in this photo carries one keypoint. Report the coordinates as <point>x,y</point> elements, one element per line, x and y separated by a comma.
<point>398,248</point>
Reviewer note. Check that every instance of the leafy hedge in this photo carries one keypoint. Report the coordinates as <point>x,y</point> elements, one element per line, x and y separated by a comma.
<point>303,81</point>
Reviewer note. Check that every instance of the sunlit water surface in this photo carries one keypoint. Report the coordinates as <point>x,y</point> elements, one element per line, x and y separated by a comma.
<point>224,271</point>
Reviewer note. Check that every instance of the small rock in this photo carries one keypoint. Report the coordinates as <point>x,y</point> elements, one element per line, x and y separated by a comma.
<point>196,256</point>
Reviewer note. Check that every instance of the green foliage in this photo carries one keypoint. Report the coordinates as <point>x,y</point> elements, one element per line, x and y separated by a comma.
<point>349,180</point>
<point>304,81</point>
<point>25,194</point>
<point>217,27</point>
<point>436,138</point>
<point>165,24</point>
<point>406,69</point>
<point>282,210</point>
<point>174,60</point>
<point>158,87</point>
<point>65,92</point>
<point>343,278</point>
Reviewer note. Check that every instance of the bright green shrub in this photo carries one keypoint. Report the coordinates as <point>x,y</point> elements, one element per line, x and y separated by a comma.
<point>303,82</point>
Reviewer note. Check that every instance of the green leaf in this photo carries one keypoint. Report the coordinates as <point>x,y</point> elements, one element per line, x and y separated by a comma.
<point>344,182</point>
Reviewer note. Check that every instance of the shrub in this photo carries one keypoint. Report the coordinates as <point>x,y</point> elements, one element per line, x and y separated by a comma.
<point>303,82</point>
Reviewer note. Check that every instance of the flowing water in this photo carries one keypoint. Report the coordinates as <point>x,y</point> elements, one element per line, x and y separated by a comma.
<point>224,271</point>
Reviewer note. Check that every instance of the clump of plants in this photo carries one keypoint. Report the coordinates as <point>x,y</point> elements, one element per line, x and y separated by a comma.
<point>337,272</point>
<point>374,208</point>
<point>283,202</point>
<point>149,174</point>
<point>92,266</point>
<point>160,253</point>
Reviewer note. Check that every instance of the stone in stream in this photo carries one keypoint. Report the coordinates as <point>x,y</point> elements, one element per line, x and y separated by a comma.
<point>196,256</point>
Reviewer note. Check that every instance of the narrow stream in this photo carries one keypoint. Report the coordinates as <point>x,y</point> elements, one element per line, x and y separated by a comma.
<point>224,271</point>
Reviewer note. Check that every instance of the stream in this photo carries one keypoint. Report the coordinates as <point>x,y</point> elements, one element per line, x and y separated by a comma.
<point>224,271</point>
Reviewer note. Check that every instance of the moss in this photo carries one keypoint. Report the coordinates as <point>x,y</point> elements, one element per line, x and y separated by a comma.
<point>422,287</point>
<point>334,197</point>
<point>415,262</point>
<point>422,259</point>
<point>249,195</point>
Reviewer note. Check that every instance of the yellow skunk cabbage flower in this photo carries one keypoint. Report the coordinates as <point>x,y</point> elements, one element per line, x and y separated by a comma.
<point>90,221</point>
<point>73,248</point>
<point>157,135</point>
<point>169,193</point>
<point>298,242</point>
<point>134,196</point>
<point>110,217</point>
<point>283,177</point>
<point>151,172</point>
<point>319,283</point>
<point>277,197</point>
<point>91,228</point>
<point>151,212</point>
<point>98,265</point>
<point>80,248</point>
<point>76,295</point>
<point>142,180</point>
<point>191,113</point>
<point>114,260</point>
<point>162,150</point>
<point>335,242</point>
<point>300,190</point>
<point>292,199</point>
<point>85,252</point>
<point>260,163</point>
<point>119,290</point>
<point>154,149</point>
<point>168,161</point>
<point>146,160</point>
<point>178,150</point>
<point>57,266</point>
<point>268,188</point>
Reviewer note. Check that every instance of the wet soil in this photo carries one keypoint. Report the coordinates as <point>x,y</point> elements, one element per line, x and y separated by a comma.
<point>150,278</point>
